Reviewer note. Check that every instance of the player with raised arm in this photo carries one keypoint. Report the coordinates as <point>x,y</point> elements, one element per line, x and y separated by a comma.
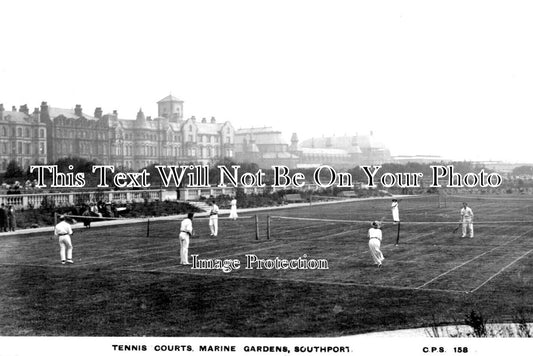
<point>395,209</point>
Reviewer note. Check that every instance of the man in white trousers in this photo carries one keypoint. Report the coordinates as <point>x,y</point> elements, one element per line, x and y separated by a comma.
<point>395,211</point>
<point>185,234</point>
<point>467,218</point>
<point>63,232</point>
<point>374,243</point>
<point>213,219</point>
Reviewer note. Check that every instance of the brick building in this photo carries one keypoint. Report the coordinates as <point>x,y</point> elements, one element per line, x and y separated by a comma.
<point>22,137</point>
<point>52,133</point>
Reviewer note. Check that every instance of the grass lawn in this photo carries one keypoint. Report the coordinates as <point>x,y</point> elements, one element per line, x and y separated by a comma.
<point>125,284</point>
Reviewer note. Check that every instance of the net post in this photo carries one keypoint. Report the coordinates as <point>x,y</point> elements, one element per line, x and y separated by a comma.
<point>148,228</point>
<point>268,227</point>
<point>256,227</point>
<point>398,235</point>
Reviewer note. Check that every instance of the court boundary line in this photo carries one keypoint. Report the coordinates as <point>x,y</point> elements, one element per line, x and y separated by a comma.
<point>472,259</point>
<point>403,222</point>
<point>388,245</point>
<point>296,280</point>
<point>266,247</point>
<point>228,276</point>
<point>153,250</point>
<point>501,270</point>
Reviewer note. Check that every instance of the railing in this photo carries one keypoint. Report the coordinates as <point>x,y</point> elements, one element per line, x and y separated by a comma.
<point>37,200</point>
<point>76,198</point>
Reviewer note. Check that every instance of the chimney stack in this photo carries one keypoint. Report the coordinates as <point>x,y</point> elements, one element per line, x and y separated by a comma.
<point>45,114</point>
<point>204,120</point>
<point>35,115</point>
<point>213,120</point>
<point>77,110</point>
<point>98,113</point>
<point>24,109</point>
<point>1,111</point>
<point>13,108</point>
<point>115,113</point>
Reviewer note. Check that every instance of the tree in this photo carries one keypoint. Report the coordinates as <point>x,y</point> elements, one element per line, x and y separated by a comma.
<point>13,170</point>
<point>78,164</point>
<point>523,171</point>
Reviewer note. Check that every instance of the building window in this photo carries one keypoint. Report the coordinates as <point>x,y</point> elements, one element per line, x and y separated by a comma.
<point>4,131</point>
<point>41,133</point>
<point>27,132</point>
<point>19,132</point>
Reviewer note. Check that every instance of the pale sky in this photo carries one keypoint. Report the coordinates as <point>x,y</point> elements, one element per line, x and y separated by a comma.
<point>449,78</point>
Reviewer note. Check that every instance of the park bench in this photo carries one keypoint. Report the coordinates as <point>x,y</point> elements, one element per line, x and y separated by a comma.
<point>293,198</point>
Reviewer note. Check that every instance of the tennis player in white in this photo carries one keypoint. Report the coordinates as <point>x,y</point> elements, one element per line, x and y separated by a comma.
<point>233,211</point>
<point>395,211</point>
<point>213,219</point>
<point>374,243</point>
<point>63,231</point>
<point>185,234</point>
<point>467,218</point>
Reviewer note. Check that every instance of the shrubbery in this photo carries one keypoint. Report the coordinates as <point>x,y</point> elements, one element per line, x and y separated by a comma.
<point>44,216</point>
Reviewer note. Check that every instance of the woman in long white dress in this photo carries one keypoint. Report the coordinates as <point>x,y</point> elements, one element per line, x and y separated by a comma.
<point>374,243</point>
<point>233,211</point>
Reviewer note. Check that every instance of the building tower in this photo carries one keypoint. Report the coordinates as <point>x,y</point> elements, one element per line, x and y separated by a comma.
<point>171,108</point>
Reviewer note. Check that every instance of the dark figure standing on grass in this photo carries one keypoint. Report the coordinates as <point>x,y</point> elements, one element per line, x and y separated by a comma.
<point>11,220</point>
<point>3,218</point>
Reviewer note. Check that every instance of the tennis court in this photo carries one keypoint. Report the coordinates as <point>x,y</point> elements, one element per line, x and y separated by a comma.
<point>429,258</point>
